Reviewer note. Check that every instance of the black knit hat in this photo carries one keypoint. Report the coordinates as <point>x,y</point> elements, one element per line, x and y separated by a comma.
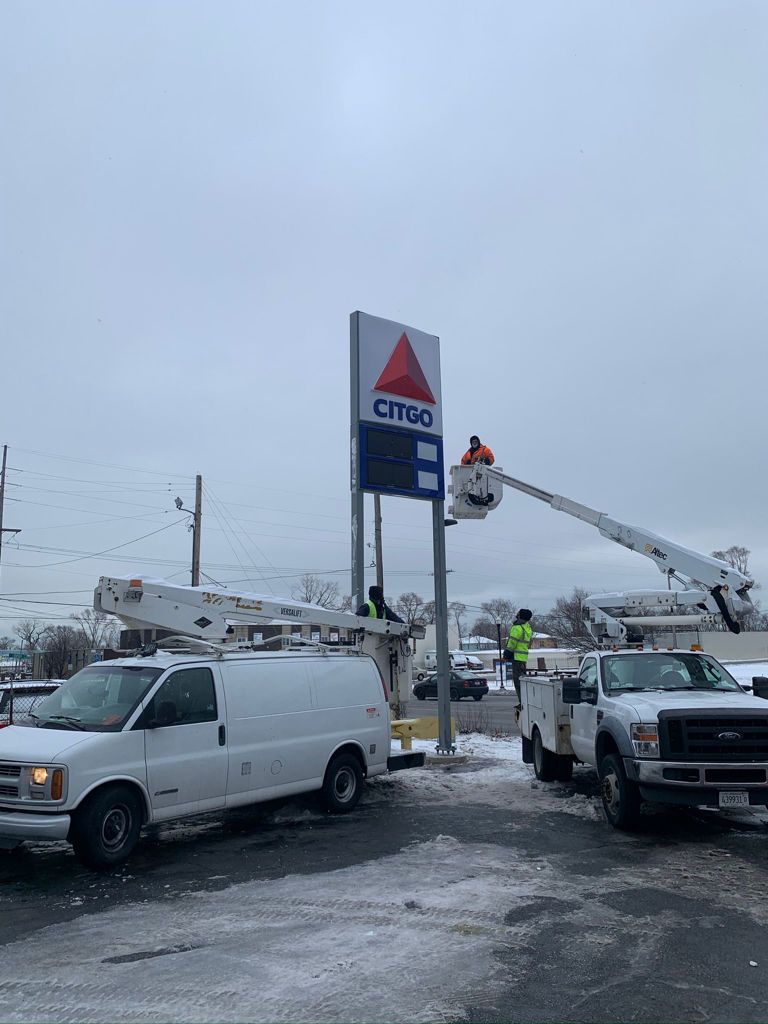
<point>525,614</point>
<point>375,593</point>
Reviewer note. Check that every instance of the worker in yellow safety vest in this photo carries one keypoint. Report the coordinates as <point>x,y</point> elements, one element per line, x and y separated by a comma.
<point>376,607</point>
<point>516,652</point>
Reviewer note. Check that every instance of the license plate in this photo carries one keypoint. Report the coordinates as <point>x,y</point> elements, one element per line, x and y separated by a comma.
<point>738,798</point>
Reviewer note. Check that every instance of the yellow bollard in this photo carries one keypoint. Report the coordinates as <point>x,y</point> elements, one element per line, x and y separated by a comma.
<point>404,729</point>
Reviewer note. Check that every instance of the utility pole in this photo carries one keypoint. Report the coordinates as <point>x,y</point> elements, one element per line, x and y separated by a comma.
<point>196,531</point>
<point>197,522</point>
<point>377,540</point>
<point>3,529</point>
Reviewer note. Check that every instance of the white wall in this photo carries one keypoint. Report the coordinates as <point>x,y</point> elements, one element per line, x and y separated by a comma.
<point>733,647</point>
<point>430,644</point>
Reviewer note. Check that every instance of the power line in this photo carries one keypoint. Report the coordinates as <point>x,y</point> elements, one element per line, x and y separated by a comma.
<point>106,551</point>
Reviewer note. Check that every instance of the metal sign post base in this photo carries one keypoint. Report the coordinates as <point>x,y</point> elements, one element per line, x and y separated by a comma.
<point>444,742</point>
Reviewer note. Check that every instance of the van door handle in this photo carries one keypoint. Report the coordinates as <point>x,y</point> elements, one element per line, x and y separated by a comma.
<point>222,735</point>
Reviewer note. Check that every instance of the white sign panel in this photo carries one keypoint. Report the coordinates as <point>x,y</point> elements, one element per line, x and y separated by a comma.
<point>398,376</point>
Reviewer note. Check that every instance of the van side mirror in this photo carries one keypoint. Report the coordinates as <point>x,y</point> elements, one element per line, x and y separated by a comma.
<point>760,686</point>
<point>572,691</point>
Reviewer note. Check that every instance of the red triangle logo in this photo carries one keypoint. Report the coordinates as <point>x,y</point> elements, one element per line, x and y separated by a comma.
<point>403,374</point>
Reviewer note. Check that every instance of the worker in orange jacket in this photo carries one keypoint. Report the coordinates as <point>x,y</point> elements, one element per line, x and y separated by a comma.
<point>477,452</point>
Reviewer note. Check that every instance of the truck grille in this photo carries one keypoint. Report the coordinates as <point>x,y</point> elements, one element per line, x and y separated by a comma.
<point>713,736</point>
<point>11,771</point>
<point>8,791</point>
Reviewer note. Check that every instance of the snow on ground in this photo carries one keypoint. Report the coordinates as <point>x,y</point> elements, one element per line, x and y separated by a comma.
<point>409,937</point>
<point>742,671</point>
<point>498,777</point>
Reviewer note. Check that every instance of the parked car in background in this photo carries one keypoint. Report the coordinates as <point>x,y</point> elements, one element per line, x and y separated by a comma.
<point>26,694</point>
<point>462,683</point>
<point>459,660</point>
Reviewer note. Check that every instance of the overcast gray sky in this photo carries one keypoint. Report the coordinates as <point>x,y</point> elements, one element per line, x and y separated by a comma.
<point>195,196</point>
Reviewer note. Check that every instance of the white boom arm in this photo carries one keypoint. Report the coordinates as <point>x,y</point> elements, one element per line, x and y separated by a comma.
<point>714,589</point>
<point>209,613</point>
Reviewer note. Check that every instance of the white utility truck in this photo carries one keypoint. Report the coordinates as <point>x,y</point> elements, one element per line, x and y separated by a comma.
<point>203,725</point>
<point>669,726</point>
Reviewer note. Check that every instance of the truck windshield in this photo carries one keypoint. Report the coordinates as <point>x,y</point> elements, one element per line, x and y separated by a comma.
<point>99,698</point>
<point>662,671</point>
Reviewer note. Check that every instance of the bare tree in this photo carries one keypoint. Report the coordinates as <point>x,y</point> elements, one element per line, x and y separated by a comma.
<point>457,611</point>
<point>315,590</point>
<point>737,557</point>
<point>60,644</point>
<point>754,619</point>
<point>410,607</point>
<point>428,614</point>
<point>97,629</point>
<point>565,621</point>
<point>502,610</point>
<point>486,627</point>
<point>30,632</point>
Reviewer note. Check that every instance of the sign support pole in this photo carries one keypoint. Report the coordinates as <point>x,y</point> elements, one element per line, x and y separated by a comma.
<point>444,741</point>
<point>358,496</point>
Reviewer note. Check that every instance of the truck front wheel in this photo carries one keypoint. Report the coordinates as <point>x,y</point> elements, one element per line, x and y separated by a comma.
<point>621,796</point>
<point>545,763</point>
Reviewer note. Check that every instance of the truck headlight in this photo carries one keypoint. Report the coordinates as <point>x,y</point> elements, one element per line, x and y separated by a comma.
<point>645,739</point>
<point>39,776</point>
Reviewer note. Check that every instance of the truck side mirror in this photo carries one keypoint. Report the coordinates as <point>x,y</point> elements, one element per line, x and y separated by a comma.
<point>572,691</point>
<point>760,686</point>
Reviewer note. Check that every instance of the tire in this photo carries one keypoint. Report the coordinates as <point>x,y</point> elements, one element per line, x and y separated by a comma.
<point>455,695</point>
<point>544,761</point>
<point>420,676</point>
<point>343,784</point>
<point>620,796</point>
<point>106,827</point>
<point>420,695</point>
<point>478,697</point>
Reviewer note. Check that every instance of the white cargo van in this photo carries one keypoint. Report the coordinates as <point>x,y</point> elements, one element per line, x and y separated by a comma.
<point>458,660</point>
<point>142,740</point>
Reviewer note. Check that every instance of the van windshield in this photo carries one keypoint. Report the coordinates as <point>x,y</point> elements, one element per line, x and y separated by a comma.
<point>662,671</point>
<point>99,698</point>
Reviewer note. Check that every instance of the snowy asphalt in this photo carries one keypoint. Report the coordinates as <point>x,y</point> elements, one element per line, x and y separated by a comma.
<point>474,895</point>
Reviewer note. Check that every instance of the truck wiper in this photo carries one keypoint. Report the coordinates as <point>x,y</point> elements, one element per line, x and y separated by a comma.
<point>76,723</point>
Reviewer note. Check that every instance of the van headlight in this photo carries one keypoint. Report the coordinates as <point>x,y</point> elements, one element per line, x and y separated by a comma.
<point>39,776</point>
<point>645,739</point>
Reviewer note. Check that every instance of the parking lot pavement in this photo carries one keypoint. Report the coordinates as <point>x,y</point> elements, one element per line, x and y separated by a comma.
<point>475,894</point>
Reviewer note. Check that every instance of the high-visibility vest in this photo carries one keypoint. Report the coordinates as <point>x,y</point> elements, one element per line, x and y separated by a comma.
<point>519,638</point>
<point>372,612</point>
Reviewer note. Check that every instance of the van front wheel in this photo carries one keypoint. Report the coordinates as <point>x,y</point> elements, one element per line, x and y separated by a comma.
<point>343,784</point>
<point>106,827</point>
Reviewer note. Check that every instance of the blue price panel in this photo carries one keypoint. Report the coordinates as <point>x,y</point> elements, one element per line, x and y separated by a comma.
<point>403,462</point>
